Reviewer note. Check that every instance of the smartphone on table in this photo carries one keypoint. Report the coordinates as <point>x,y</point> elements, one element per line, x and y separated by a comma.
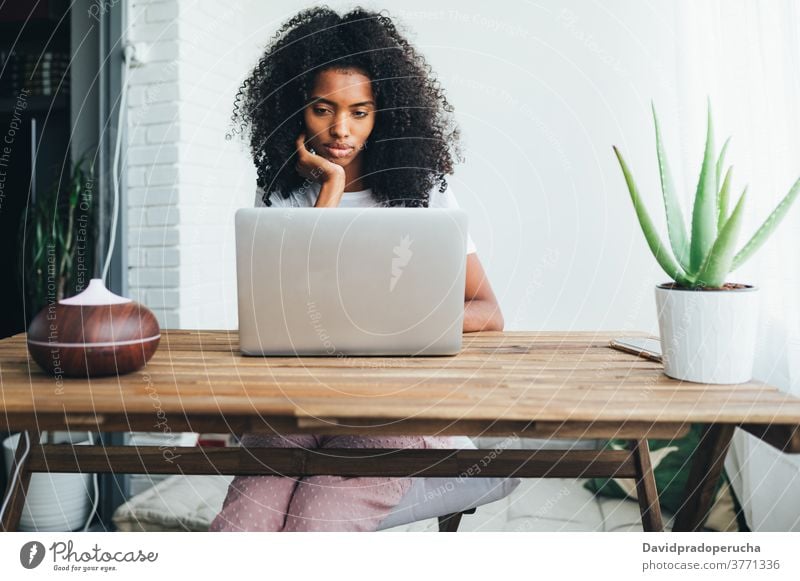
<point>641,346</point>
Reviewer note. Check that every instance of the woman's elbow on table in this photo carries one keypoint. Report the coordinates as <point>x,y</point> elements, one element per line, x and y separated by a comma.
<point>482,315</point>
<point>481,309</point>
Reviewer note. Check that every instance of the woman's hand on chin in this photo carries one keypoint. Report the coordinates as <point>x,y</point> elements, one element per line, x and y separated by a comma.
<point>315,167</point>
<point>318,169</point>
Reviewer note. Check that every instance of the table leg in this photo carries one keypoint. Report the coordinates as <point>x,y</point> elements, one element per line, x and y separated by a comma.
<point>14,499</point>
<point>646,490</point>
<point>707,463</point>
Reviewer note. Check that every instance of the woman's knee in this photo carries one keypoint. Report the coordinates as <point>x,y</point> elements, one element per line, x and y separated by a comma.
<point>255,503</point>
<point>242,515</point>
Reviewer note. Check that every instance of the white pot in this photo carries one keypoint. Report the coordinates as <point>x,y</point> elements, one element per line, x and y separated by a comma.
<point>708,336</point>
<point>57,501</point>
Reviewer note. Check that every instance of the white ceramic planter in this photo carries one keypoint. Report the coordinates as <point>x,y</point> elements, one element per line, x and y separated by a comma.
<point>708,336</point>
<point>57,501</point>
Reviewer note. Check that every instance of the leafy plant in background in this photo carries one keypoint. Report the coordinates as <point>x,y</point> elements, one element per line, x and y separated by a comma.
<point>58,233</point>
<point>704,259</point>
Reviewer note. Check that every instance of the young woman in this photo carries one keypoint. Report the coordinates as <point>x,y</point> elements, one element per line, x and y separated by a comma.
<point>342,111</point>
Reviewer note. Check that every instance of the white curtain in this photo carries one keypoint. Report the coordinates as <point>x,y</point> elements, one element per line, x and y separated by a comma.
<point>745,56</point>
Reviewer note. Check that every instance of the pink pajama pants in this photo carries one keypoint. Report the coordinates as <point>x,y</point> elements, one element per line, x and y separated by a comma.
<point>316,503</point>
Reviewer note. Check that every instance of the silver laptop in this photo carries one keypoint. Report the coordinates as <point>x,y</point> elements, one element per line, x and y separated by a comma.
<point>350,281</point>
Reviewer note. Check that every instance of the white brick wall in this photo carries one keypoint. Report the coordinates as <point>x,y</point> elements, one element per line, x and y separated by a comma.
<point>184,179</point>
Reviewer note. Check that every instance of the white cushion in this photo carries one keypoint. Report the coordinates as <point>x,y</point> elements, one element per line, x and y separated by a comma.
<point>179,503</point>
<point>190,503</point>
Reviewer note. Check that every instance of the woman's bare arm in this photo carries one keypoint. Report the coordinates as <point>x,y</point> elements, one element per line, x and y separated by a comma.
<point>317,168</point>
<point>481,311</point>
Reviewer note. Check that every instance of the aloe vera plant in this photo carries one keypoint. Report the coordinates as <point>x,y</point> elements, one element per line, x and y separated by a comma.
<point>703,256</point>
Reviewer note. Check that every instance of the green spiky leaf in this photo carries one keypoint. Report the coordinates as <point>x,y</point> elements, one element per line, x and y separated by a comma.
<point>651,235</point>
<point>704,215</point>
<point>722,199</point>
<point>767,227</point>
<point>676,227</point>
<point>721,159</point>
<point>718,262</point>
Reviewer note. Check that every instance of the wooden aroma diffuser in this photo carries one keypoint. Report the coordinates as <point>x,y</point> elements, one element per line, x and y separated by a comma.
<point>92,334</point>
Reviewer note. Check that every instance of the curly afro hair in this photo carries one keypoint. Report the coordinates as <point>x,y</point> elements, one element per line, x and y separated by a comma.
<point>414,142</point>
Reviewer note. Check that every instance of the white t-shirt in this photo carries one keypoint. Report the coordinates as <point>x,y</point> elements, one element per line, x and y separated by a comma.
<point>306,197</point>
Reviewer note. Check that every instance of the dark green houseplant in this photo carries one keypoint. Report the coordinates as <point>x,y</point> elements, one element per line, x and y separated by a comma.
<point>58,233</point>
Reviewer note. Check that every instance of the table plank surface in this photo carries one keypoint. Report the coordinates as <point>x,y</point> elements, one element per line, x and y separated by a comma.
<point>498,376</point>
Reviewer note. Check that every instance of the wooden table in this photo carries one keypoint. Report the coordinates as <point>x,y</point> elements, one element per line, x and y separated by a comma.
<point>523,384</point>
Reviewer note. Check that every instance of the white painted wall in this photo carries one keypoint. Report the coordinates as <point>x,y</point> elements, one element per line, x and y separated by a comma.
<point>541,91</point>
<point>185,180</point>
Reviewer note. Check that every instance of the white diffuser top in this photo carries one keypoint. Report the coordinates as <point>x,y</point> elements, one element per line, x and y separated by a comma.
<point>95,294</point>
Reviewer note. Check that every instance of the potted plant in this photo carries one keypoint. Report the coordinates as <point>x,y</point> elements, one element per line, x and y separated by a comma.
<point>59,231</point>
<point>707,324</point>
